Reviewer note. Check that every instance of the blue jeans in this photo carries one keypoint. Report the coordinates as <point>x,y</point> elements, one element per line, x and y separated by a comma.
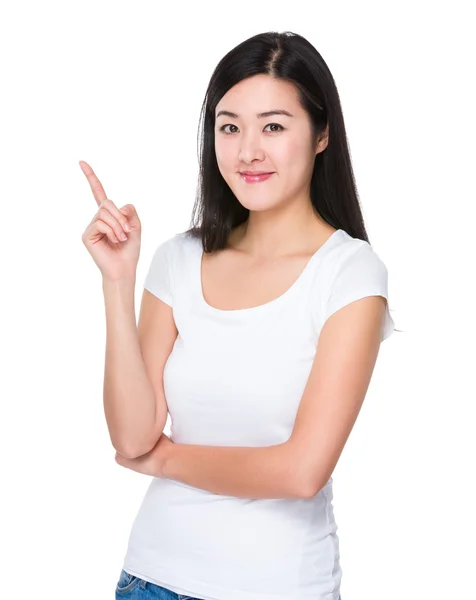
<point>134,588</point>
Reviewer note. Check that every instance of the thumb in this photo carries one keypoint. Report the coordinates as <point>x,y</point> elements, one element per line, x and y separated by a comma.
<point>129,211</point>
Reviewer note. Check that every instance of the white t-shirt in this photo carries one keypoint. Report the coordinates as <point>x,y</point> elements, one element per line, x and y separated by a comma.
<point>235,378</point>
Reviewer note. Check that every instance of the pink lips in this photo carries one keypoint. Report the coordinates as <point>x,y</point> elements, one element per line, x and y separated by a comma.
<point>256,178</point>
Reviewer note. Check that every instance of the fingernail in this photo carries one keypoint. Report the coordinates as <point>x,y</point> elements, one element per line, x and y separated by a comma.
<point>127,227</point>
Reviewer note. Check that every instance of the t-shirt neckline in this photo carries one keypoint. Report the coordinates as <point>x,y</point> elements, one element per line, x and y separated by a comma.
<point>254,310</point>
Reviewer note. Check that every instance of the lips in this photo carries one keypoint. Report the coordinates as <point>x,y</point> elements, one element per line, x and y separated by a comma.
<point>255,173</point>
<point>255,177</point>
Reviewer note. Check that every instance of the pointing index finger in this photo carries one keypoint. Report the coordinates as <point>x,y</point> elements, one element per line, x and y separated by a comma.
<point>96,186</point>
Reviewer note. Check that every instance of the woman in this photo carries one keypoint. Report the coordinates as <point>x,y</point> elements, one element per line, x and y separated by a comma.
<point>259,330</point>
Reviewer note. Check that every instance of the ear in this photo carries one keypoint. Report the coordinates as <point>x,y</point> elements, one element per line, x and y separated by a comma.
<point>323,140</point>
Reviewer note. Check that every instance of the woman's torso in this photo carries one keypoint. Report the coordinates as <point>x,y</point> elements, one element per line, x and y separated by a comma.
<point>235,377</point>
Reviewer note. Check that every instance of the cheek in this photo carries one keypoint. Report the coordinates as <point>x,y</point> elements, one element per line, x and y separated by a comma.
<point>226,158</point>
<point>292,157</point>
<point>299,147</point>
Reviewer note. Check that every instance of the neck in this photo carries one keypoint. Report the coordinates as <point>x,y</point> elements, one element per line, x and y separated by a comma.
<point>276,234</point>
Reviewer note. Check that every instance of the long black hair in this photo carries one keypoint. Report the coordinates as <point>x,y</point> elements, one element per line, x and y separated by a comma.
<point>288,57</point>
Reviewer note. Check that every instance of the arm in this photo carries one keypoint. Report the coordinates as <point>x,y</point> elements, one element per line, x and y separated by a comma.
<point>346,355</point>
<point>135,412</point>
<point>299,468</point>
<point>243,472</point>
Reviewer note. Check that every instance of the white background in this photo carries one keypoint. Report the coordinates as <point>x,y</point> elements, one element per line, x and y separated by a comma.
<point>120,85</point>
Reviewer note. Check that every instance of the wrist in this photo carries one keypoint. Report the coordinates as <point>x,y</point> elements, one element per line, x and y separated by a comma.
<point>166,461</point>
<point>119,283</point>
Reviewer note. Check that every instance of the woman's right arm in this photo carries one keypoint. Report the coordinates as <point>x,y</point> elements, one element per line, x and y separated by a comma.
<point>134,399</point>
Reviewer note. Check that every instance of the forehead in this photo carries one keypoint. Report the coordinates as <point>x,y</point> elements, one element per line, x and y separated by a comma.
<point>258,94</point>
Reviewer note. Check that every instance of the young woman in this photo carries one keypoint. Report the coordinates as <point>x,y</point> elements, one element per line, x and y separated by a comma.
<point>259,330</point>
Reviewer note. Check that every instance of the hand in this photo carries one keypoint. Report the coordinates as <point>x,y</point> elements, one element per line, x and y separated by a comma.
<point>116,259</point>
<point>151,463</point>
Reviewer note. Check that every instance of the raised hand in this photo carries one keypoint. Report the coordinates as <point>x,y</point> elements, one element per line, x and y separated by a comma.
<point>115,256</point>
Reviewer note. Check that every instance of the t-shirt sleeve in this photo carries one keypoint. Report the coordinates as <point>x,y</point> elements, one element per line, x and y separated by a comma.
<point>361,274</point>
<point>158,279</point>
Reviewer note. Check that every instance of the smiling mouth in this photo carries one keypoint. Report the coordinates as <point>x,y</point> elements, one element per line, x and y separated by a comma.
<point>255,178</point>
<point>255,173</point>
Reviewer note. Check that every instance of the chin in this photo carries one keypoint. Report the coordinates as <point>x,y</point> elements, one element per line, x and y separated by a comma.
<point>257,204</point>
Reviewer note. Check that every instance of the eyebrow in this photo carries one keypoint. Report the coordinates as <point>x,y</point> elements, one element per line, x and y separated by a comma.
<point>269,113</point>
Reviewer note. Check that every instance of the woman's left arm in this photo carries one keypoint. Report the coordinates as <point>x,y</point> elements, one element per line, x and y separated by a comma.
<point>242,472</point>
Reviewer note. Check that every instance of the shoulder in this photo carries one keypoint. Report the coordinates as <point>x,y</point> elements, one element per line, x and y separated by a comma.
<point>170,260</point>
<point>184,241</point>
<point>175,245</point>
<point>353,261</point>
<point>351,269</point>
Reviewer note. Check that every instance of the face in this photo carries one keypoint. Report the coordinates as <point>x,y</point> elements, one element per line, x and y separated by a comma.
<point>280,144</point>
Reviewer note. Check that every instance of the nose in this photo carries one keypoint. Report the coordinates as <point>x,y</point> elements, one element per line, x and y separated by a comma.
<point>250,149</point>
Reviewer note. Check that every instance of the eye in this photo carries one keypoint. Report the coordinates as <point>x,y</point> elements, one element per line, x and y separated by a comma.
<point>281,128</point>
<point>222,128</point>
